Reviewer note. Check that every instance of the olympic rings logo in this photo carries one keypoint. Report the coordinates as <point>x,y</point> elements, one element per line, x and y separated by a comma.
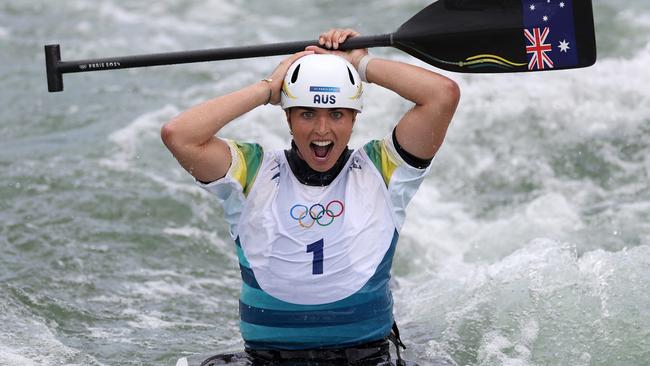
<point>317,213</point>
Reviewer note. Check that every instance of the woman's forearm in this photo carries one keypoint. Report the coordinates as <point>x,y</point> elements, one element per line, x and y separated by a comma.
<point>422,129</point>
<point>197,125</point>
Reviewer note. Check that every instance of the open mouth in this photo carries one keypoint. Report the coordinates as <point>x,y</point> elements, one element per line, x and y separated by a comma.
<point>321,148</point>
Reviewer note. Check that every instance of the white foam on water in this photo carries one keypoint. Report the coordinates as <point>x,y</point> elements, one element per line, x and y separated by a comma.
<point>609,96</point>
<point>634,17</point>
<point>26,339</point>
<point>190,232</point>
<point>538,305</point>
<point>152,19</point>
<point>159,289</point>
<point>157,273</point>
<point>497,349</point>
<point>138,148</point>
<point>442,232</point>
<point>572,103</point>
<point>150,320</point>
<point>161,286</point>
<point>157,285</point>
<point>206,236</point>
<point>437,229</point>
<point>153,320</point>
<point>552,211</point>
<point>133,137</point>
<point>8,357</point>
<point>119,335</point>
<point>118,13</point>
<point>5,33</point>
<point>211,10</point>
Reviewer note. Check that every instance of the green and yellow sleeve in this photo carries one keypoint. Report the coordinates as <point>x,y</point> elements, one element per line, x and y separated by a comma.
<point>246,162</point>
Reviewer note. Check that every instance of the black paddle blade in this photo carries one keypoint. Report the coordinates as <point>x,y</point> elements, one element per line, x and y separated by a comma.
<point>497,36</point>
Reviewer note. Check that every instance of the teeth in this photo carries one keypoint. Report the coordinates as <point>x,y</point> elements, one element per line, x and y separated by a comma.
<point>322,143</point>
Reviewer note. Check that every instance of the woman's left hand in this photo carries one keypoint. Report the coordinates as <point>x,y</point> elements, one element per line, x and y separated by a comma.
<point>333,38</point>
<point>277,76</point>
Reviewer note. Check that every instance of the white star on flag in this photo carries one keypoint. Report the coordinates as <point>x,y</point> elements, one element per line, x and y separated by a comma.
<point>562,4</point>
<point>545,18</point>
<point>532,7</point>
<point>564,46</point>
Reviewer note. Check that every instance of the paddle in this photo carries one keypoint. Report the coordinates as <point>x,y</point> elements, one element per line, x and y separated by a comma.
<point>468,36</point>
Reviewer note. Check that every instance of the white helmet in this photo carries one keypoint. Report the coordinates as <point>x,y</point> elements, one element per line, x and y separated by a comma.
<point>322,81</point>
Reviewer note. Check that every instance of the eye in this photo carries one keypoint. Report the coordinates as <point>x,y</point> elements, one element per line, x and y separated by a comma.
<point>336,114</point>
<point>307,114</point>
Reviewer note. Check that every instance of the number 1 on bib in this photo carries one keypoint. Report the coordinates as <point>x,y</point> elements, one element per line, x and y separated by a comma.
<point>317,263</point>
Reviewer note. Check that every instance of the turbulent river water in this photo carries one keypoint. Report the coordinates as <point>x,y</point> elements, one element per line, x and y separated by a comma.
<point>529,243</point>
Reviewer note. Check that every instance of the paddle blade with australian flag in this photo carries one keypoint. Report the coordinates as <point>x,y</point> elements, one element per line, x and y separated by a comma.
<point>497,36</point>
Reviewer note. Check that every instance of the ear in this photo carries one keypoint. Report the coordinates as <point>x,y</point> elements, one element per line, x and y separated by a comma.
<point>287,112</point>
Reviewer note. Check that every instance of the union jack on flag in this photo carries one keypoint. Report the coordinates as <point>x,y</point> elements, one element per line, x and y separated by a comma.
<point>549,34</point>
<point>538,48</point>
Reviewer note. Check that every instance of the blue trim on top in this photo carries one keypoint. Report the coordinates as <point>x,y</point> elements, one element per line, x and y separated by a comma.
<point>240,254</point>
<point>248,277</point>
<point>311,319</point>
<point>261,299</point>
<point>339,336</point>
<point>247,274</point>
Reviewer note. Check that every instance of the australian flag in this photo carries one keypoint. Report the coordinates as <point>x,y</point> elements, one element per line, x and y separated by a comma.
<point>549,33</point>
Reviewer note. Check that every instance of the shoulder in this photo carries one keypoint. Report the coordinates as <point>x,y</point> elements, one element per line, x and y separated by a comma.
<point>247,151</point>
<point>386,157</point>
<point>247,160</point>
<point>378,154</point>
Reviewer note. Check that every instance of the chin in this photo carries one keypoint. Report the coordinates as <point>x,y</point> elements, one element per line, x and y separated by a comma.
<point>321,167</point>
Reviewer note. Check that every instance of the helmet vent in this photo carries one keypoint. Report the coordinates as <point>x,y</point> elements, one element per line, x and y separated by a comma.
<point>294,76</point>
<point>351,77</point>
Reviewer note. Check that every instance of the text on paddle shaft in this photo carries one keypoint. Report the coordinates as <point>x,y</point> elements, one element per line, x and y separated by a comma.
<point>100,65</point>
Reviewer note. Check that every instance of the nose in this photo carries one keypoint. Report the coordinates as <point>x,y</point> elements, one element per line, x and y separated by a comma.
<point>322,125</point>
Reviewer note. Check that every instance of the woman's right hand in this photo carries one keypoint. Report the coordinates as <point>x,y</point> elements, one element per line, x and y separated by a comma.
<point>277,76</point>
<point>333,38</point>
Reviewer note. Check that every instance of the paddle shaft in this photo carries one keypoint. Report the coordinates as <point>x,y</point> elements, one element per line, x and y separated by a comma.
<point>469,36</point>
<point>55,67</point>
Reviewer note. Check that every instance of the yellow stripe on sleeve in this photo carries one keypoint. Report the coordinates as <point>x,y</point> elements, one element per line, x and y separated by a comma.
<point>238,167</point>
<point>388,164</point>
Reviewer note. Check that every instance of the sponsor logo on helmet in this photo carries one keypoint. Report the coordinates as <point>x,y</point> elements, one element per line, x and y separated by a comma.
<point>325,89</point>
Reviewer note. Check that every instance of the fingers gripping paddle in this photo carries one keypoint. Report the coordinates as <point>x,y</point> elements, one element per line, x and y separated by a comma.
<point>468,36</point>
